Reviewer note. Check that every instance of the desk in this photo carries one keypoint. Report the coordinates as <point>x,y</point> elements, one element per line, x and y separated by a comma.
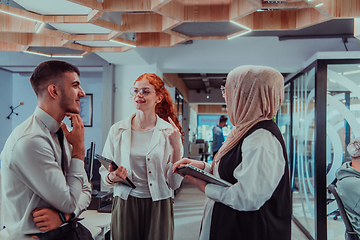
<point>97,223</point>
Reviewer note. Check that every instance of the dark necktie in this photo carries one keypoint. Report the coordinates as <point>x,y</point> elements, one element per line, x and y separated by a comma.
<point>60,135</point>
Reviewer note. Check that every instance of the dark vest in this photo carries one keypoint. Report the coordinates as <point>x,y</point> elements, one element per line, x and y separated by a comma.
<point>272,221</point>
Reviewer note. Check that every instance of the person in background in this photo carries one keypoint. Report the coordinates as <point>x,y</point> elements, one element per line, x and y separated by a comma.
<point>44,184</point>
<point>144,146</point>
<point>218,136</point>
<point>253,158</point>
<point>348,180</point>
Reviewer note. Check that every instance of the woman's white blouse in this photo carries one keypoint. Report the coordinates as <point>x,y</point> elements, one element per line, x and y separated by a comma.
<point>161,180</point>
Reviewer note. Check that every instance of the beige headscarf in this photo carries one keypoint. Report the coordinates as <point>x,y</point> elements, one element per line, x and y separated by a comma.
<point>253,94</point>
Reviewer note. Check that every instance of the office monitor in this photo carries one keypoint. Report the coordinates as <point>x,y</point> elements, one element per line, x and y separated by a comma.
<point>89,161</point>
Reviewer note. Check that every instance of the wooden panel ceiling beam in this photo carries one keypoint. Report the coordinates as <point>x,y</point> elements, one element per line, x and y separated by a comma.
<point>83,37</point>
<point>341,9</point>
<point>205,11</point>
<point>65,19</point>
<point>5,46</point>
<point>88,3</point>
<point>174,9</point>
<point>156,4</point>
<point>184,37</point>
<point>126,41</point>
<point>20,12</point>
<point>142,22</point>
<point>111,49</point>
<point>77,46</point>
<point>282,20</point>
<point>126,5</point>
<point>114,34</point>
<point>95,14</point>
<point>158,39</point>
<point>168,23</point>
<point>241,8</point>
<point>308,16</point>
<point>31,39</point>
<point>286,5</point>
<point>15,24</point>
<point>106,24</point>
<point>53,33</point>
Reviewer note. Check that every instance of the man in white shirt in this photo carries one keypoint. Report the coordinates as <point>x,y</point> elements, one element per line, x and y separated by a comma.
<point>44,184</point>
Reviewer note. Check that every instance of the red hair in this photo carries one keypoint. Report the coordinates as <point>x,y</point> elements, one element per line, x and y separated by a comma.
<point>165,108</point>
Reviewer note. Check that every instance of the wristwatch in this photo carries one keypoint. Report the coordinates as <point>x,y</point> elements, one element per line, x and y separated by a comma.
<point>62,217</point>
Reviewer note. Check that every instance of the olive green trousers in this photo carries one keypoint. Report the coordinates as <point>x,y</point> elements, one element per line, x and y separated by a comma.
<point>142,219</point>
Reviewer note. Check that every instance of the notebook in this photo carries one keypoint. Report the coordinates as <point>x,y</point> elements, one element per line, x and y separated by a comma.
<point>201,174</point>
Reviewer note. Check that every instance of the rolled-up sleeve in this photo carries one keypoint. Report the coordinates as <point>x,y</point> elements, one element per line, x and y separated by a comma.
<point>258,174</point>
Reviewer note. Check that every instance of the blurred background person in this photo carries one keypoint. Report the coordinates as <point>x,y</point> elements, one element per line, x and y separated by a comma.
<point>218,135</point>
<point>348,181</point>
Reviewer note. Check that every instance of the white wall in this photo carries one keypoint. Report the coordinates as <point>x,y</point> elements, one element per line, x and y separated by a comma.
<point>5,103</point>
<point>22,91</point>
<point>125,77</point>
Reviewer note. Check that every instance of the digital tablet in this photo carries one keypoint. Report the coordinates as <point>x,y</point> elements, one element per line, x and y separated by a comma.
<point>106,163</point>
<point>198,173</point>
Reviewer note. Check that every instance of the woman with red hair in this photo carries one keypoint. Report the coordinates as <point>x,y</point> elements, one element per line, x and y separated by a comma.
<point>144,146</point>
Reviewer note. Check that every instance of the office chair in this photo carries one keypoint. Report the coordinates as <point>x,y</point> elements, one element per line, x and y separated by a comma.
<point>350,234</point>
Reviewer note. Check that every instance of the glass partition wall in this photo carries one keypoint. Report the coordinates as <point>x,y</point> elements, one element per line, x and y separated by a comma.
<point>319,116</point>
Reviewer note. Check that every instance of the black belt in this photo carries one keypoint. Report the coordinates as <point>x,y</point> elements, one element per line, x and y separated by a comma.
<point>54,234</point>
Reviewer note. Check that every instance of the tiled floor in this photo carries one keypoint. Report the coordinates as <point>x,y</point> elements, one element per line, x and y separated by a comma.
<point>188,209</point>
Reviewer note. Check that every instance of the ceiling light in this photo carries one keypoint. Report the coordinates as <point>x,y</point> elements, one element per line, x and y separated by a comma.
<point>238,35</point>
<point>19,16</point>
<point>40,27</point>
<point>38,53</point>
<point>67,56</point>
<point>332,80</point>
<point>351,72</point>
<point>320,4</point>
<point>126,44</point>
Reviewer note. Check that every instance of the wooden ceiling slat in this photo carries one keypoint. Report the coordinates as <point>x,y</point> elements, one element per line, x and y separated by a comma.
<point>21,12</point>
<point>106,24</point>
<point>65,19</point>
<point>84,37</point>
<point>126,5</point>
<point>341,9</point>
<point>111,49</point>
<point>240,8</point>
<point>153,20</point>
<point>142,22</point>
<point>31,39</point>
<point>156,4</point>
<point>5,46</point>
<point>11,23</point>
<point>158,39</point>
<point>95,14</point>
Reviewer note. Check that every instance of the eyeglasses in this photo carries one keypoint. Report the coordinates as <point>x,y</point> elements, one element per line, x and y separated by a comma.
<point>143,91</point>
<point>222,88</point>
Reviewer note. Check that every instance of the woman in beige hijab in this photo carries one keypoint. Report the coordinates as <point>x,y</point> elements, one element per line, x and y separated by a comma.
<point>253,159</point>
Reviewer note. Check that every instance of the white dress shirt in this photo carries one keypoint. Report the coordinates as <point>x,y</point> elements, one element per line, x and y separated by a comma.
<point>32,176</point>
<point>161,179</point>
<point>258,175</point>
